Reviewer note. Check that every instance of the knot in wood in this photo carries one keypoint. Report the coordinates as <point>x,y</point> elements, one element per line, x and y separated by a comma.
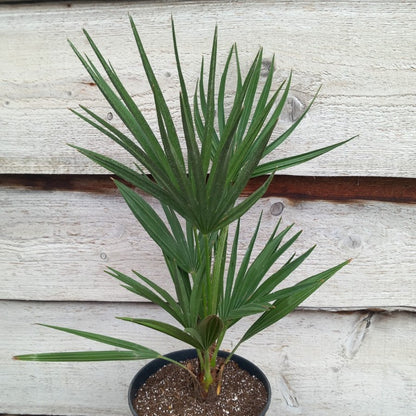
<point>277,208</point>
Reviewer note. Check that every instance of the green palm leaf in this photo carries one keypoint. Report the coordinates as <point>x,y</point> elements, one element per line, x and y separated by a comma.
<point>161,297</point>
<point>291,298</point>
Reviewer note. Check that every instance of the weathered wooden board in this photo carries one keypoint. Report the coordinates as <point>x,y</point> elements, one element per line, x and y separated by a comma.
<point>362,52</point>
<point>55,245</point>
<point>335,188</point>
<point>318,363</point>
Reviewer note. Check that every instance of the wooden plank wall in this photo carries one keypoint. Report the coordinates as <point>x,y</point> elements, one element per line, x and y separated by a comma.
<point>349,349</point>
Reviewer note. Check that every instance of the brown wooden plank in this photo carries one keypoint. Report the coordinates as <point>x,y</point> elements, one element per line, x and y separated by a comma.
<point>101,184</point>
<point>340,188</point>
<point>401,190</point>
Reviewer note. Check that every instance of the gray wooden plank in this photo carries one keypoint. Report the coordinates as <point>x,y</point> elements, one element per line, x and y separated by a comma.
<point>362,53</point>
<point>55,245</point>
<point>318,363</point>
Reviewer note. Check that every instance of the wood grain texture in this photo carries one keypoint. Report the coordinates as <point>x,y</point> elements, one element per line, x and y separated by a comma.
<point>362,52</point>
<point>319,364</point>
<point>55,245</point>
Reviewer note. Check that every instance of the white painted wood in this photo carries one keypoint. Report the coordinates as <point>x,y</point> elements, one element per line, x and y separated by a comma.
<point>319,363</point>
<point>362,52</point>
<point>56,246</point>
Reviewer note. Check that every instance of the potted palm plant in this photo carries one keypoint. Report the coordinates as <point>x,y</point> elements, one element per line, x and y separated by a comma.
<point>199,187</point>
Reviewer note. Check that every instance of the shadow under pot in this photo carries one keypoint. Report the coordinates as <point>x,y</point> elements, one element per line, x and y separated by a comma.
<point>245,389</point>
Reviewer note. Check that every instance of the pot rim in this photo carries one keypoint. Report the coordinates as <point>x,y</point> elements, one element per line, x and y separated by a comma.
<point>150,368</point>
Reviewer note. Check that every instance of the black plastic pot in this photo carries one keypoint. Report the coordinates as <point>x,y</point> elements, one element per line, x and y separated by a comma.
<point>151,368</point>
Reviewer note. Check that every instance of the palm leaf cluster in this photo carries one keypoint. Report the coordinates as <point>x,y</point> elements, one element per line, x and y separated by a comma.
<point>199,187</point>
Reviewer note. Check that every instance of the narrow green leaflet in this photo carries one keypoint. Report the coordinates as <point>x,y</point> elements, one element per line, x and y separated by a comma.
<point>187,247</point>
<point>291,161</point>
<point>88,356</point>
<point>184,290</point>
<point>198,162</point>
<point>218,272</point>
<point>232,265</point>
<point>138,352</point>
<point>198,303</point>
<point>166,329</point>
<point>277,142</point>
<point>249,98</point>
<point>221,93</point>
<point>163,293</point>
<point>252,308</point>
<point>234,283</point>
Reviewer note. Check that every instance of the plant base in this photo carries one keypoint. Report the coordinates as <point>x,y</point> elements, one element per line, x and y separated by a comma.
<point>165,389</point>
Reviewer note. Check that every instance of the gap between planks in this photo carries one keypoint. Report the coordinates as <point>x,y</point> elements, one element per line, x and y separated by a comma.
<point>312,309</point>
<point>347,189</point>
<point>67,2</point>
